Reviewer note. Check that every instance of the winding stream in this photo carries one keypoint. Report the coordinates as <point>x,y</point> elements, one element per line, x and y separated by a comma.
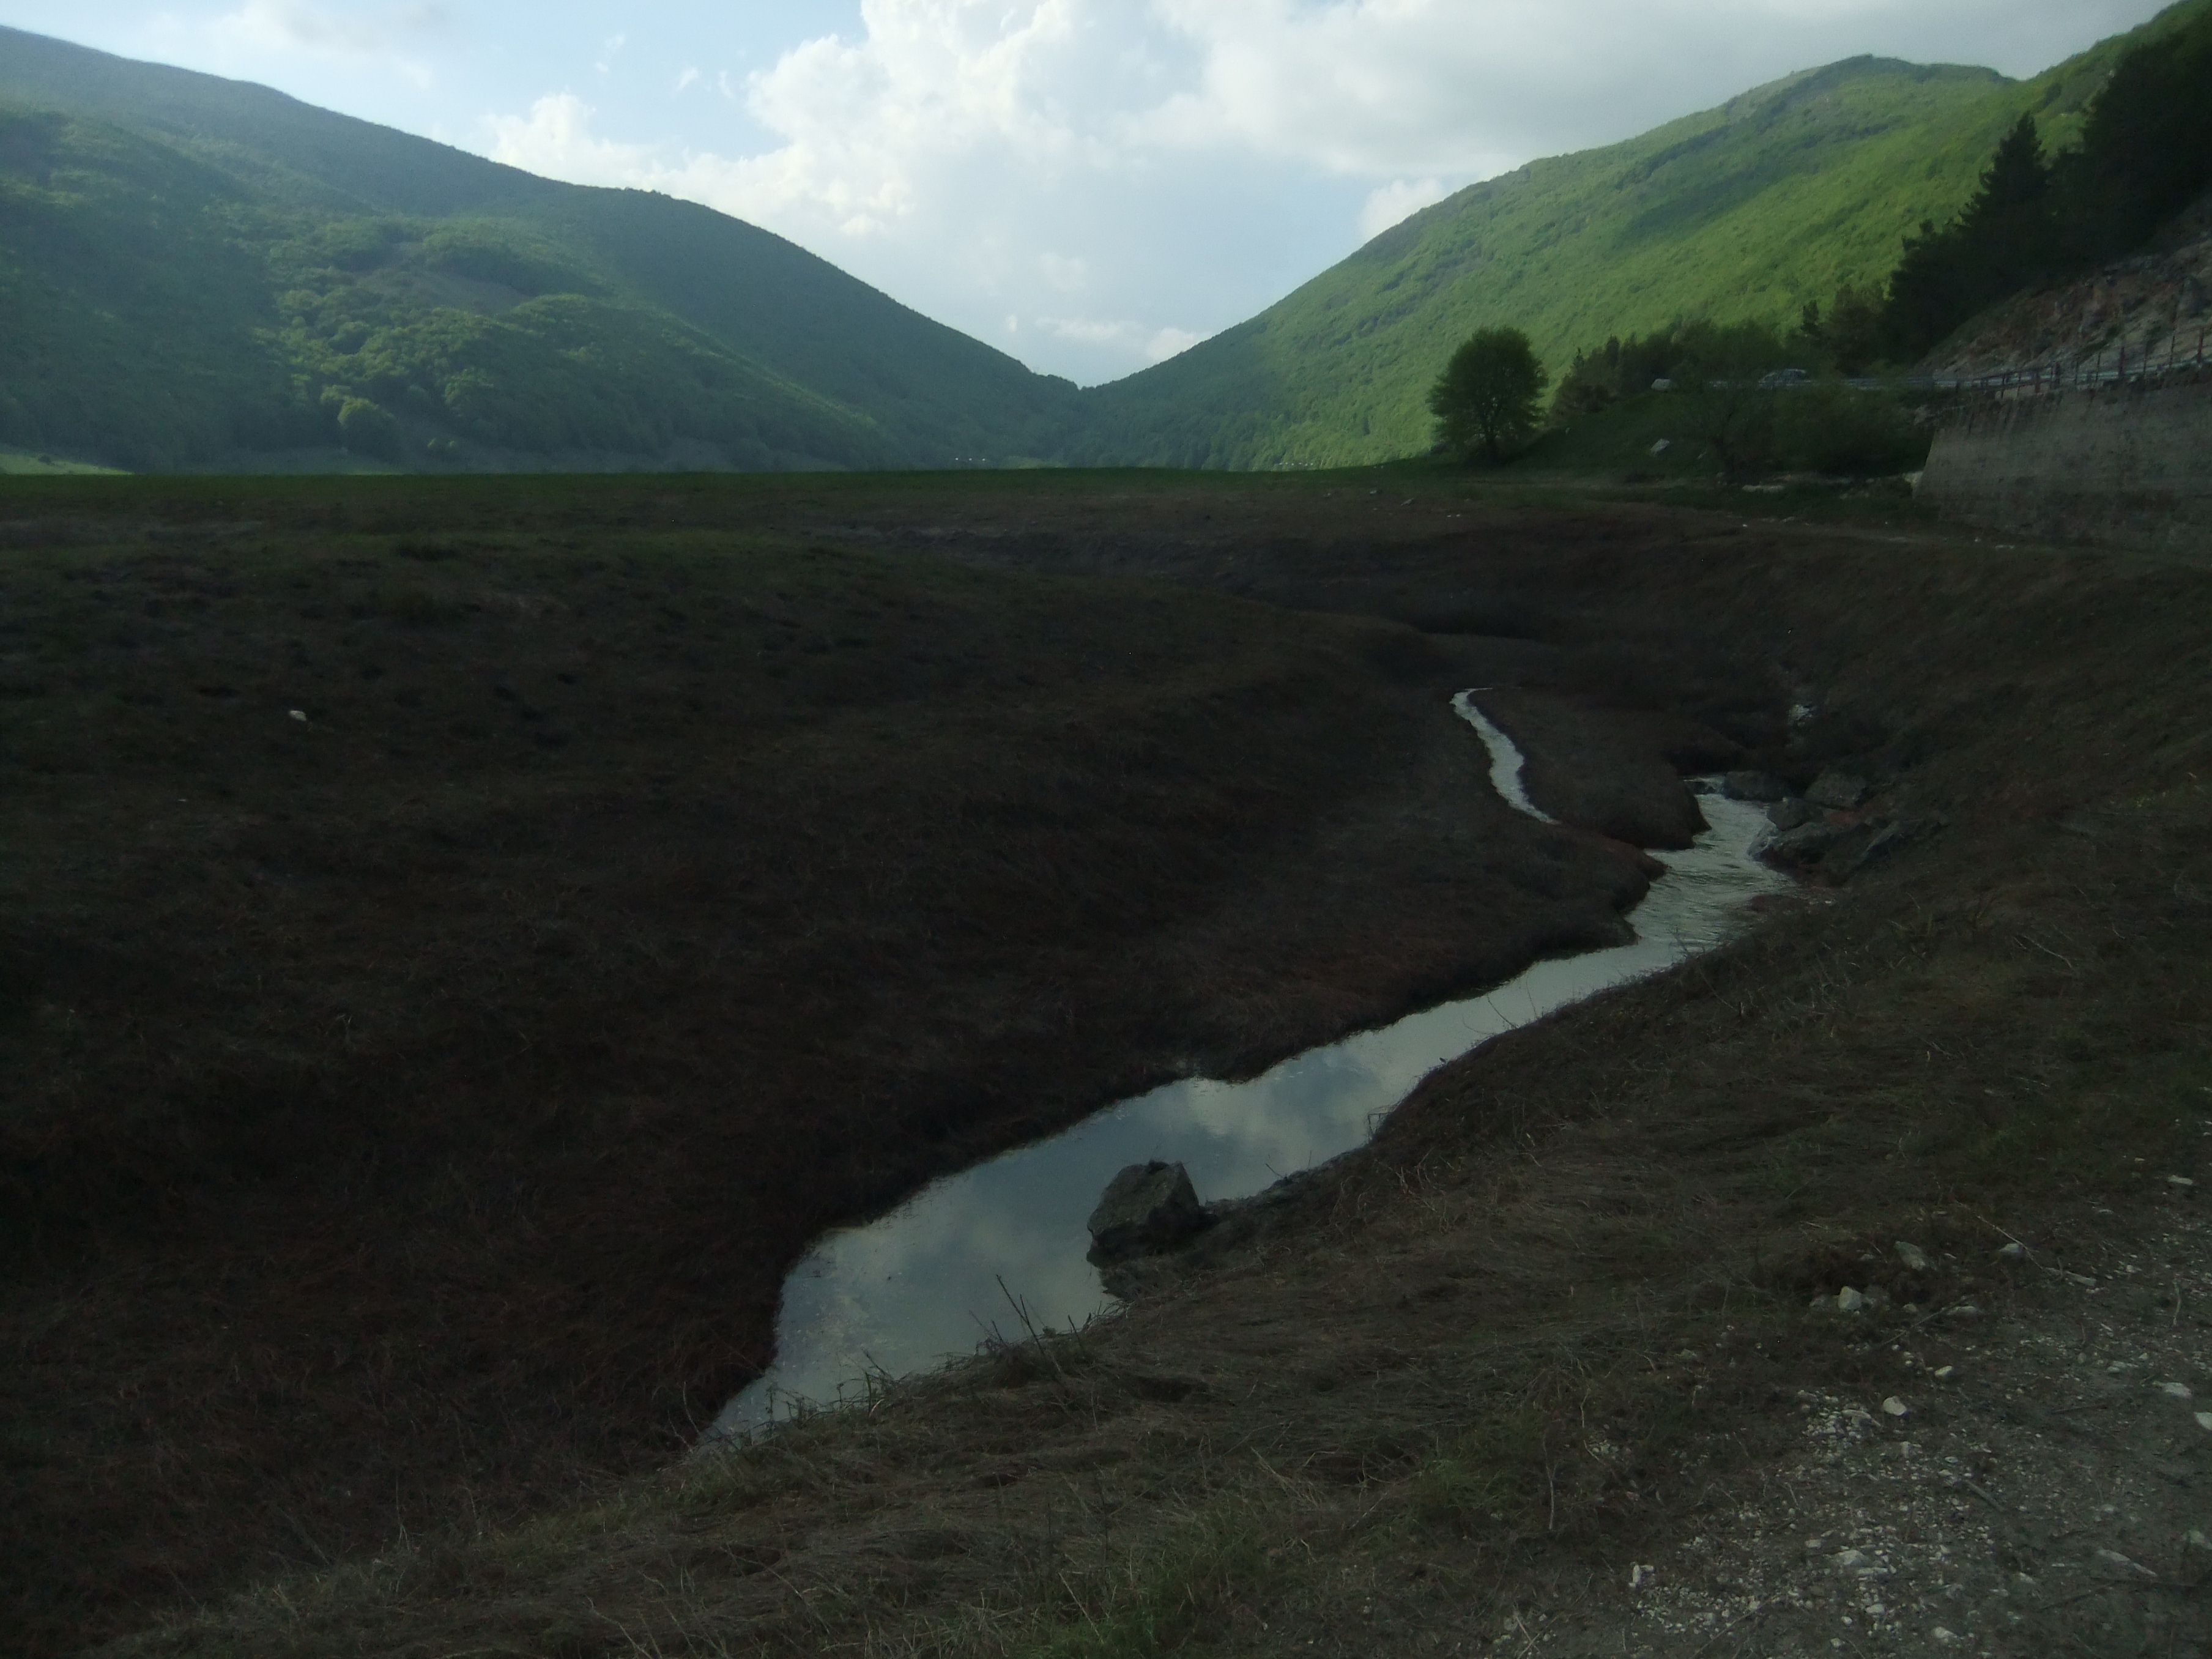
<point>1001,1247</point>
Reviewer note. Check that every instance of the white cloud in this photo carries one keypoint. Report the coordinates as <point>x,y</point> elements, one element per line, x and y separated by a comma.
<point>1142,340</point>
<point>686,79</point>
<point>555,138</point>
<point>296,26</point>
<point>261,29</point>
<point>1468,87</point>
<point>1388,204</point>
<point>983,157</point>
<point>1068,276</point>
<point>1167,343</point>
<point>1092,331</point>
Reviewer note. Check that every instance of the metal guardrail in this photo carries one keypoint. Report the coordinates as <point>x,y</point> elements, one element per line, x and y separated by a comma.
<point>2115,368</point>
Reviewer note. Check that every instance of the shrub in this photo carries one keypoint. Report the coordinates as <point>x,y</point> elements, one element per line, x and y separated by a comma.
<point>1835,429</point>
<point>367,428</point>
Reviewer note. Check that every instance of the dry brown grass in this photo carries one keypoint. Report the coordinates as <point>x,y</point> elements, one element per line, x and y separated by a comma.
<point>1547,1316</point>
<point>413,1109</point>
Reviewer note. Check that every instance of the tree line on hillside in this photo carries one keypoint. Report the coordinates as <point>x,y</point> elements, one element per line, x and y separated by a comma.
<point>1737,399</point>
<point>2146,154</point>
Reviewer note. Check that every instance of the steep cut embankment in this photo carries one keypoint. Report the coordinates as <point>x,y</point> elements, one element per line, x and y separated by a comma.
<point>2102,423</point>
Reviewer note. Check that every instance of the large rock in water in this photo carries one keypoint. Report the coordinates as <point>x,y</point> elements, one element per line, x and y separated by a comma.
<point>1837,788</point>
<point>1146,1207</point>
<point>1753,787</point>
<point>1806,844</point>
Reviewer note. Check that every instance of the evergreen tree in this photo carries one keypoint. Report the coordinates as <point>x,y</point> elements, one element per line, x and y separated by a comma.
<point>1853,332</point>
<point>2146,147</point>
<point>2005,239</point>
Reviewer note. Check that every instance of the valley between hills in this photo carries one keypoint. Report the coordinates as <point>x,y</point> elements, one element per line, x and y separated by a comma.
<point>522,815</point>
<point>202,274</point>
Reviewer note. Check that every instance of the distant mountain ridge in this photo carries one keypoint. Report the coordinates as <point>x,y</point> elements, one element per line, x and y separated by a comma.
<point>1745,211</point>
<point>198,272</point>
<point>200,268</point>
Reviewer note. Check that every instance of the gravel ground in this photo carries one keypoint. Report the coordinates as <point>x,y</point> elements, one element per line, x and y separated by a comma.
<point>2038,1481</point>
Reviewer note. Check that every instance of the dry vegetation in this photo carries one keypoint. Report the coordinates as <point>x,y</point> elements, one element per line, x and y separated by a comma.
<point>453,970</point>
<point>1555,1318</point>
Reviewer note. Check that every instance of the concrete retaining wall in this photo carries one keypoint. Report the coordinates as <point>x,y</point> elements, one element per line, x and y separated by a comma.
<point>2128,465</point>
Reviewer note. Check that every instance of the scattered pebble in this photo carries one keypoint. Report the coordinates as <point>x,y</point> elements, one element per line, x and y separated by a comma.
<point>1849,1300</point>
<point>298,714</point>
<point>1912,1256</point>
<point>1986,1518</point>
<point>2014,1251</point>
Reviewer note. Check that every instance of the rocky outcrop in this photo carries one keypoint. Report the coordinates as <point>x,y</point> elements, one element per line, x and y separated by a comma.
<point>1839,790</point>
<point>1753,787</point>
<point>1146,1207</point>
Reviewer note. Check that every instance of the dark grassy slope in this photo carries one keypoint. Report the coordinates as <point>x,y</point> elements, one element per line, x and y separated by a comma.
<point>191,262</point>
<point>1556,1321</point>
<point>1748,211</point>
<point>416,1105</point>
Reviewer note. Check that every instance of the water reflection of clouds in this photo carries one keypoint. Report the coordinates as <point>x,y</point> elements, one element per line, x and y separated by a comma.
<point>937,1275</point>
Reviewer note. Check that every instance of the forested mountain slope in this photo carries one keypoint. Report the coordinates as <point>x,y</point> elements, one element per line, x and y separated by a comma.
<point>198,271</point>
<point>1746,211</point>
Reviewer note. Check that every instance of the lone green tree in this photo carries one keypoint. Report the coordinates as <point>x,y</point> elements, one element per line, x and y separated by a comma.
<point>1486,399</point>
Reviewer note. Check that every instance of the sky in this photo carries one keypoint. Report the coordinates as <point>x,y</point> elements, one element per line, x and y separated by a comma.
<point>1090,185</point>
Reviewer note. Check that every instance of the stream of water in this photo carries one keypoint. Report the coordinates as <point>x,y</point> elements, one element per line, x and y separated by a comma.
<point>998,1248</point>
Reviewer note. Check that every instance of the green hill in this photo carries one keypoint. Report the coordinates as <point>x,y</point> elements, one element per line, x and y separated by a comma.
<point>1743,212</point>
<point>199,271</point>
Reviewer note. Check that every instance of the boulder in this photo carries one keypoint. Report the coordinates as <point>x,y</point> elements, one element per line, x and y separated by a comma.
<point>1146,1207</point>
<point>1806,844</point>
<point>1753,786</point>
<point>1839,789</point>
<point>1792,814</point>
<point>1870,843</point>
